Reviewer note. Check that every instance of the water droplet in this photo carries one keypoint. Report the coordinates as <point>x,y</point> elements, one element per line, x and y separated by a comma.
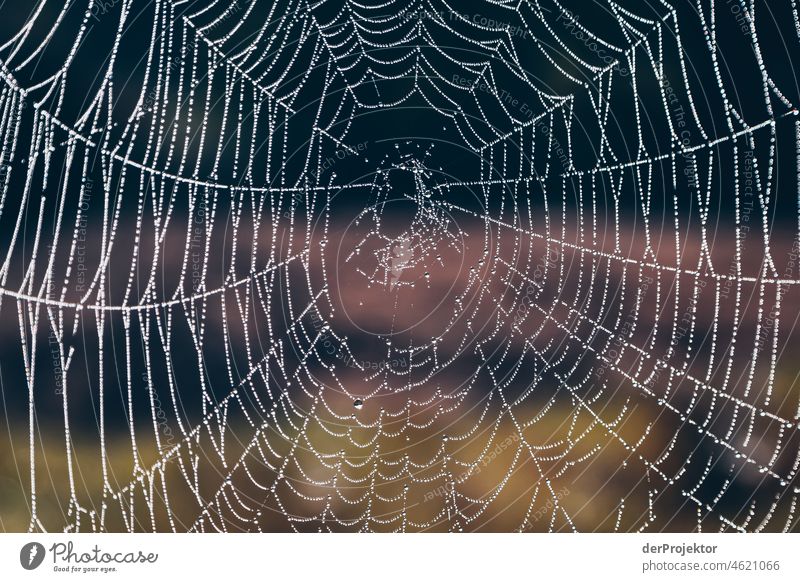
<point>358,404</point>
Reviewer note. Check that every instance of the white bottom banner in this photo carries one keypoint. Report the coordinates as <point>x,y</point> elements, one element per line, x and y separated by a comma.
<point>354,557</point>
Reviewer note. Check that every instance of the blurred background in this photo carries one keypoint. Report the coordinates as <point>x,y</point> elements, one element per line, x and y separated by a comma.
<point>404,266</point>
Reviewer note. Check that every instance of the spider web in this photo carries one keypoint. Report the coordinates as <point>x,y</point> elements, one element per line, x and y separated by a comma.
<point>400,265</point>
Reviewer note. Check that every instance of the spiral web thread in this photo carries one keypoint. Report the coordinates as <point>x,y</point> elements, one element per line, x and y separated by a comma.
<point>207,197</point>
